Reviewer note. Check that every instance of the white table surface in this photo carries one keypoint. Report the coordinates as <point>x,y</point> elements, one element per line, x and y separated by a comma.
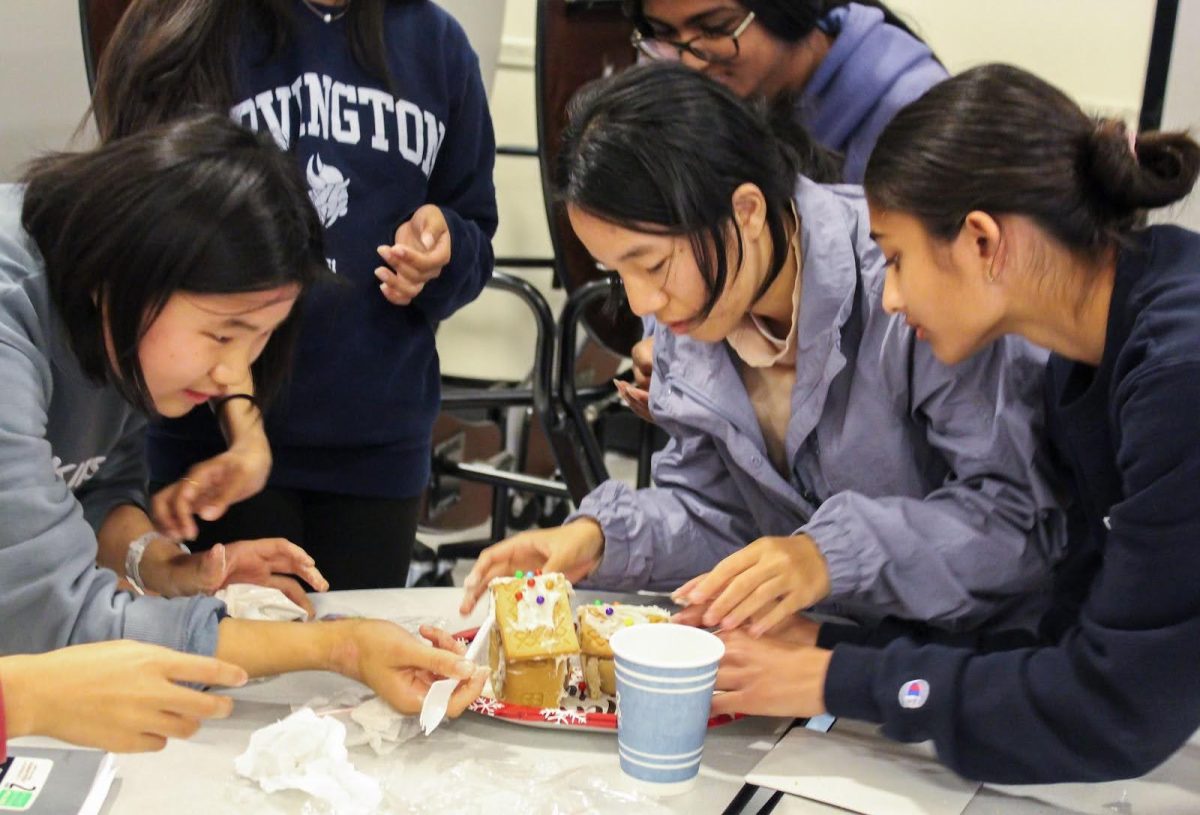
<point>197,776</point>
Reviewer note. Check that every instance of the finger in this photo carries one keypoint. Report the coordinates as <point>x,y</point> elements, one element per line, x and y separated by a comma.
<point>162,514</point>
<point>292,591</point>
<point>760,599</point>
<point>196,704</point>
<point>285,557</point>
<point>415,654</point>
<point>201,670</point>
<point>715,581</point>
<point>492,562</point>
<point>682,594</point>
<point>737,589</point>
<point>467,692</point>
<point>214,568</point>
<point>442,639</point>
<point>402,280</point>
<point>173,726</point>
<point>139,743</point>
<point>692,615</point>
<point>774,617</point>
<point>728,703</point>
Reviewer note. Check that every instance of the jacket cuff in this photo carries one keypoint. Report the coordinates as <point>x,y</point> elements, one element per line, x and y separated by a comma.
<point>836,545</point>
<point>610,505</point>
<point>850,681</point>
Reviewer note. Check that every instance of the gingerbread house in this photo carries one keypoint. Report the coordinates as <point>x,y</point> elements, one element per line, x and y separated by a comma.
<point>597,623</point>
<point>533,638</point>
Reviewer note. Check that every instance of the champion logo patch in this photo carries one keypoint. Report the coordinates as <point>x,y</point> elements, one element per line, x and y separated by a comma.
<point>913,694</point>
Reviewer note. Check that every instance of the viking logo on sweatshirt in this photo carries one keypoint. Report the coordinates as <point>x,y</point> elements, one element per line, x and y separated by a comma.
<point>76,475</point>
<point>327,188</point>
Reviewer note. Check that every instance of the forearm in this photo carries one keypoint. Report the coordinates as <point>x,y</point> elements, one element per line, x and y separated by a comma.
<point>264,648</point>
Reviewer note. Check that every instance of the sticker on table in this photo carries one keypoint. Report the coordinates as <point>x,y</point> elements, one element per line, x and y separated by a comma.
<point>21,781</point>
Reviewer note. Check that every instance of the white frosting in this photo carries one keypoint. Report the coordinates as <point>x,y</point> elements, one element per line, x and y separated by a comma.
<point>609,624</point>
<point>530,613</point>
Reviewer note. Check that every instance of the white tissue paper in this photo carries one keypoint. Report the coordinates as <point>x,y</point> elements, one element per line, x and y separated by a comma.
<point>247,601</point>
<point>307,752</point>
<point>382,727</point>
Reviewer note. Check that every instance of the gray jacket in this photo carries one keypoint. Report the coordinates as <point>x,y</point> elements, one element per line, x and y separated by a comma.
<point>70,451</point>
<point>923,485</point>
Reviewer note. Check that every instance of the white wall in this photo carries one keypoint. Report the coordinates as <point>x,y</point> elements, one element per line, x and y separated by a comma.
<point>43,85</point>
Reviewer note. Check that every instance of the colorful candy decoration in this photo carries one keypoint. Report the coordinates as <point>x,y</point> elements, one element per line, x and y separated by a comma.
<point>540,599</point>
<point>609,611</point>
<point>519,574</point>
<point>519,596</point>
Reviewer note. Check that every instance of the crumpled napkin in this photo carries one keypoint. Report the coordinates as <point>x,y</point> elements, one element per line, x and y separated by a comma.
<point>368,719</point>
<point>307,752</point>
<point>248,601</point>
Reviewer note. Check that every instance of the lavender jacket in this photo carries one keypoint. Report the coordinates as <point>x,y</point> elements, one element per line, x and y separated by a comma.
<point>872,70</point>
<point>924,486</point>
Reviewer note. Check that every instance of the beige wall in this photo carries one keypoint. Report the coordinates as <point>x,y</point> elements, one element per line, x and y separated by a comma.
<point>43,86</point>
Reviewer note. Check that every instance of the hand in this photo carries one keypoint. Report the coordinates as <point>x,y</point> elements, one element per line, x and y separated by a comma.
<point>574,550</point>
<point>122,696</point>
<point>795,629</point>
<point>400,668</point>
<point>209,488</point>
<point>637,399</point>
<point>643,362</point>
<point>770,677</point>
<point>265,562</point>
<point>766,582</point>
<point>421,250</point>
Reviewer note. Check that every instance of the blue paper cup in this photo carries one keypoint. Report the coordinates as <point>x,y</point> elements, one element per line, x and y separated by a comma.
<point>665,679</point>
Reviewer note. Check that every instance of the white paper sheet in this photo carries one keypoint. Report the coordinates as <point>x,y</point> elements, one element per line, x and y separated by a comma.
<point>854,768</point>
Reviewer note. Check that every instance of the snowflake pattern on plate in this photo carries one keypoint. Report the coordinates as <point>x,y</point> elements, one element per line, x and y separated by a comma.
<point>559,715</point>
<point>488,707</point>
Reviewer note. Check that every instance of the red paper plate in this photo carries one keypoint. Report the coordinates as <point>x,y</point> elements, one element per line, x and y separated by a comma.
<point>588,714</point>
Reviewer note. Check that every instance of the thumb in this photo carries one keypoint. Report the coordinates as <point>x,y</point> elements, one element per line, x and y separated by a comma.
<point>213,568</point>
<point>442,663</point>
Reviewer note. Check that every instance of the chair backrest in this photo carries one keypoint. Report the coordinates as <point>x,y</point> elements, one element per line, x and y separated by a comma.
<point>577,41</point>
<point>97,21</point>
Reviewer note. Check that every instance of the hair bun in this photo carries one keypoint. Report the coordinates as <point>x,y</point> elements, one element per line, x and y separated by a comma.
<point>1151,170</point>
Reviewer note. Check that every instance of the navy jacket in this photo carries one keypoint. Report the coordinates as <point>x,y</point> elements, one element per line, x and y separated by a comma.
<point>1113,686</point>
<point>357,418</point>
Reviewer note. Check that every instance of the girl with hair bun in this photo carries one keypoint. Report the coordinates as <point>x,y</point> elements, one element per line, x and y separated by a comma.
<point>1003,209</point>
<point>818,452</point>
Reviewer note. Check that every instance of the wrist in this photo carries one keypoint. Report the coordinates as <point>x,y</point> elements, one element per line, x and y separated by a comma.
<point>341,649</point>
<point>151,563</point>
<point>593,534</point>
<point>19,703</point>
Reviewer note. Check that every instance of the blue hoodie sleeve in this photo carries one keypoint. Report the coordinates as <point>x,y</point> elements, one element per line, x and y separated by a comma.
<point>1120,691</point>
<point>461,185</point>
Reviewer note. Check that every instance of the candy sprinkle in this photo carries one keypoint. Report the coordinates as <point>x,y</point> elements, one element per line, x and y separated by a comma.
<point>541,599</point>
<point>597,603</point>
<point>608,611</point>
<point>530,583</point>
<point>519,596</point>
<point>628,621</point>
<point>537,572</point>
<point>519,574</point>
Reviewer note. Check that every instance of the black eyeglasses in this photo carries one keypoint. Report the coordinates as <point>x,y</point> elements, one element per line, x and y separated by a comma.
<point>714,47</point>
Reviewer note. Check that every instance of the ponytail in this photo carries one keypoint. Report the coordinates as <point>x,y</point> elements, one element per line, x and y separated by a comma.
<point>999,139</point>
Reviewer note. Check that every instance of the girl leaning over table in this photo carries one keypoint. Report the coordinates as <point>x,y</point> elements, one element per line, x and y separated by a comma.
<point>997,193</point>
<point>814,442</point>
<point>382,105</point>
<point>141,279</point>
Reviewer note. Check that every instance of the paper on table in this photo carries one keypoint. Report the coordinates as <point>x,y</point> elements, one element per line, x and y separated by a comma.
<point>247,601</point>
<point>854,768</point>
<point>308,752</point>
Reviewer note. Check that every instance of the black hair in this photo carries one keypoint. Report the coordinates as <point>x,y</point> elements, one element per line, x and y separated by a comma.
<point>999,139</point>
<point>172,57</point>
<point>787,20</point>
<point>662,147</point>
<point>198,205</point>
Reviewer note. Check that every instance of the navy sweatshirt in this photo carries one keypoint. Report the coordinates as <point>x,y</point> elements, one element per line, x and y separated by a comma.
<point>1111,688</point>
<point>358,415</point>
